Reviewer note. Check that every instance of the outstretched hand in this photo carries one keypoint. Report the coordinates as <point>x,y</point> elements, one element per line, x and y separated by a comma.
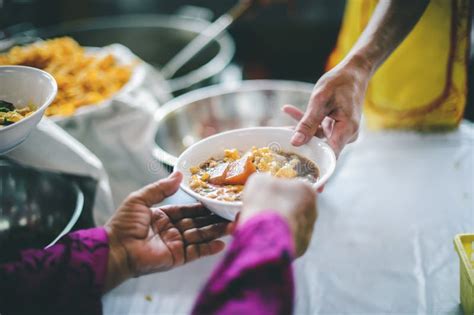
<point>144,239</point>
<point>334,109</point>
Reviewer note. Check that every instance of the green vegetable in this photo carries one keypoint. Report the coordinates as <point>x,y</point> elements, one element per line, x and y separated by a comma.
<point>5,104</point>
<point>6,122</point>
<point>4,110</point>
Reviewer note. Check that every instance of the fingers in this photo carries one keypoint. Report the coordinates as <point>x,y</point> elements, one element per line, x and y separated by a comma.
<point>311,120</point>
<point>293,111</point>
<point>195,251</point>
<point>178,212</point>
<point>206,233</point>
<point>198,222</point>
<point>297,114</point>
<point>156,192</point>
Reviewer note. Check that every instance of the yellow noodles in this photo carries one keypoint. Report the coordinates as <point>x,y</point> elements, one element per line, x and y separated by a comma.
<point>82,79</point>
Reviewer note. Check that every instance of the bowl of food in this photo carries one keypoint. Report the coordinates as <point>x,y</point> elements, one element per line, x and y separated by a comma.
<point>87,77</point>
<point>199,114</point>
<point>215,169</point>
<point>25,93</point>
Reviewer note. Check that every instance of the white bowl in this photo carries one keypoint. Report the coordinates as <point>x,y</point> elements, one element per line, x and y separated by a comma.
<point>243,139</point>
<point>21,86</point>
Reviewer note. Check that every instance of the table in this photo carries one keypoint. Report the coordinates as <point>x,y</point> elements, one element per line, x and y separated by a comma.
<point>383,242</point>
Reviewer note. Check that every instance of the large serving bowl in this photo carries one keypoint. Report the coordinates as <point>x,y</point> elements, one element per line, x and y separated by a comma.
<point>155,38</point>
<point>207,111</point>
<point>243,139</point>
<point>36,208</point>
<point>123,56</point>
<point>21,86</point>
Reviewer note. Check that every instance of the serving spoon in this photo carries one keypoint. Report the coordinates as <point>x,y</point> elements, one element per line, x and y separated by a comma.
<point>204,38</point>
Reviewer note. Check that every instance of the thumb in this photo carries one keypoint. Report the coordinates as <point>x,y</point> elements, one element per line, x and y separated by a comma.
<point>310,122</point>
<point>157,191</point>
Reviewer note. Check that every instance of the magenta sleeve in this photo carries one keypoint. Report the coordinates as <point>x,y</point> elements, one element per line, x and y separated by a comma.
<point>255,276</point>
<point>67,278</point>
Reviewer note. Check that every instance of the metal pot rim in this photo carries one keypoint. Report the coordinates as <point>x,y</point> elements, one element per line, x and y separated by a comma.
<point>215,90</point>
<point>75,216</point>
<point>79,206</point>
<point>213,67</point>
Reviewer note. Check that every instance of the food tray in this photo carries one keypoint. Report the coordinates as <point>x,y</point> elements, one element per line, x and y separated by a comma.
<point>464,244</point>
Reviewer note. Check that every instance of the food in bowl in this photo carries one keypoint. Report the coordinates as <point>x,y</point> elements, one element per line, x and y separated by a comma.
<point>9,114</point>
<point>83,78</point>
<point>224,178</point>
<point>276,138</point>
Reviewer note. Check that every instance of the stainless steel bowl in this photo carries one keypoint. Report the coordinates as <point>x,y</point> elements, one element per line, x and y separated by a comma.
<point>204,112</point>
<point>36,208</point>
<point>156,39</point>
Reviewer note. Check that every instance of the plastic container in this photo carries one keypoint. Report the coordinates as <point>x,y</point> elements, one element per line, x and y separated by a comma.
<point>464,244</point>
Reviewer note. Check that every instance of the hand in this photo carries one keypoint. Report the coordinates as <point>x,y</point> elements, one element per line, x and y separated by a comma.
<point>145,239</point>
<point>294,200</point>
<point>335,107</point>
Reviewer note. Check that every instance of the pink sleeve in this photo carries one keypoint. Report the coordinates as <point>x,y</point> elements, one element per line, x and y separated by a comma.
<point>66,278</point>
<point>255,276</point>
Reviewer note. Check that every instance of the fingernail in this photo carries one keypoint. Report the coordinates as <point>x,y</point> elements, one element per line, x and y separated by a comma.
<point>174,174</point>
<point>298,138</point>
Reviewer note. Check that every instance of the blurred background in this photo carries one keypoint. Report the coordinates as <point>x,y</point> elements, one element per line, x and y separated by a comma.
<point>284,41</point>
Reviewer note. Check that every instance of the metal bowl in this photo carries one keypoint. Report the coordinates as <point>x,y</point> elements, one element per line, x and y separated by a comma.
<point>36,208</point>
<point>204,112</point>
<point>156,39</point>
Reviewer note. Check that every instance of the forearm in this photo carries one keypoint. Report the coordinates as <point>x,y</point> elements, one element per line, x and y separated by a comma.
<point>390,23</point>
<point>118,266</point>
<point>67,277</point>
<point>255,276</point>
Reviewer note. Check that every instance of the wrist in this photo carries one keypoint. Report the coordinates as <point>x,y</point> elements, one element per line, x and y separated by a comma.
<point>254,220</point>
<point>118,269</point>
<point>360,64</point>
<point>247,214</point>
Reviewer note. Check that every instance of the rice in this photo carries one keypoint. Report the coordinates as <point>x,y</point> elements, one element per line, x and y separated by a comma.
<point>83,79</point>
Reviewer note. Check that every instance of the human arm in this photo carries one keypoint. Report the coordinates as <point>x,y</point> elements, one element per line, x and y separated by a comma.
<point>274,227</point>
<point>335,106</point>
<point>66,278</point>
<point>71,276</point>
<point>146,239</point>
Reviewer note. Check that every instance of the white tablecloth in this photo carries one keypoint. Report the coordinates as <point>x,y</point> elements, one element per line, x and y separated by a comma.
<point>383,243</point>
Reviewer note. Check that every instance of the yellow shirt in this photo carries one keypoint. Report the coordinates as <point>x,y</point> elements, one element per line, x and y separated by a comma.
<point>423,84</point>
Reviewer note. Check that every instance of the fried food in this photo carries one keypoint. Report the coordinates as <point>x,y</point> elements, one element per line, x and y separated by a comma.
<point>83,79</point>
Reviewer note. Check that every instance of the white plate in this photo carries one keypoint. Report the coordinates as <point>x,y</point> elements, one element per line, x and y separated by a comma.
<point>243,140</point>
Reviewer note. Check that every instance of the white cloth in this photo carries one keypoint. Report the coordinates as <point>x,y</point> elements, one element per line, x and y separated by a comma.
<point>120,131</point>
<point>49,147</point>
<point>383,243</point>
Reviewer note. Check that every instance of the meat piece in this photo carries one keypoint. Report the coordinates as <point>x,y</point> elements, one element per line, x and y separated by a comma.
<point>239,171</point>
<point>218,174</point>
